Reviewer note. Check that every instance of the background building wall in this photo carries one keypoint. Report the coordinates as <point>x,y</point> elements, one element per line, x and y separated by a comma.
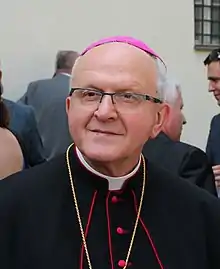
<point>33,31</point>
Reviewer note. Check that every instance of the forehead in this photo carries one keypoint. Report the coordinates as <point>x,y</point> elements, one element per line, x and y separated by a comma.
<point>115,63</point>
<point>214,68</point>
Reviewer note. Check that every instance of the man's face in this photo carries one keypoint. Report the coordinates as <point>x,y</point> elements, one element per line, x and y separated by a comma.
<point>214,79</point>
<point>175,120</point>
<point>106,133</point>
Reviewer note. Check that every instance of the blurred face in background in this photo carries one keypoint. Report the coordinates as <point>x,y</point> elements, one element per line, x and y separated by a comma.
<point>213,74</point>
<point>175,120</point>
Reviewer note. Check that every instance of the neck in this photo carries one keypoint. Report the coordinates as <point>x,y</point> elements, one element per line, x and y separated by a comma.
<point>117,169</point>
<point>65,71</point>
<point>112,169</point>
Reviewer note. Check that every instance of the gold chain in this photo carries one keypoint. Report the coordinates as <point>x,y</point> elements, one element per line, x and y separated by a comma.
<point>79,217</point>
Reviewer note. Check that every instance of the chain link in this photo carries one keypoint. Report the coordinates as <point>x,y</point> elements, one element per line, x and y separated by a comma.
<point>79,217</point>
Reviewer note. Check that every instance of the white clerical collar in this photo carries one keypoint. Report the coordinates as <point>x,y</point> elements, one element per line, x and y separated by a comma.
<point>115,183</point>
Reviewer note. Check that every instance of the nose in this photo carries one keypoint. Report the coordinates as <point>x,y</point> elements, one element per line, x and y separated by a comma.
<point>184,120</point>
<point>106,109</point>
<point>211,86</point>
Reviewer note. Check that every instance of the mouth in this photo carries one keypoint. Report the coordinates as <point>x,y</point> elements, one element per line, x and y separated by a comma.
<point>217,95</point>
<point>97,131</point>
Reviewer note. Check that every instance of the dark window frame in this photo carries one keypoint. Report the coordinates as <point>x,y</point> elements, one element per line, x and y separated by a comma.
<point>205,34</point>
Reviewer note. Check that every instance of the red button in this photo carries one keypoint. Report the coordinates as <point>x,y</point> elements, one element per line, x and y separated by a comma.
<point>120,230</point>
<point>114,199</point>
<point>121,263</point>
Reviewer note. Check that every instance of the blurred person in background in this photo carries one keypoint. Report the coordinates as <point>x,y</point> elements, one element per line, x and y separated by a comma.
<point>212,62</point>
<point>23,124</point>
<point>182,159</point>
<point>47,97</point>
<point>11,156</point>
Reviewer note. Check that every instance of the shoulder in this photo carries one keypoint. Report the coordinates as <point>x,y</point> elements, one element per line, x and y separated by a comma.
<point>38,83</point>
<point>214,131</point>
<point>18,107</point>
<point>8,103</point>
<point>33,182</point>
<point>193,156</point>
<point>184,203</point>
<point>27,110</point>
<point>215,119</point>
<point>159,141</point>
<point>24,110</point>
<point>10,148</point>
<point>8,139</point>
<point>189,147</point>
<point>162,146</point>
<point>168,186</point>
<point>26,115</point>
<point>32,85</point>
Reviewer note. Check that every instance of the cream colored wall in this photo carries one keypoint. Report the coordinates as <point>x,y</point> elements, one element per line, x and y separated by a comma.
<point>33,31</point>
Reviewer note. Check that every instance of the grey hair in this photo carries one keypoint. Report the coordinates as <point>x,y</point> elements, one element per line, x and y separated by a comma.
<point>65,59</point>
<point>168,88</point>
<point>161,78</point>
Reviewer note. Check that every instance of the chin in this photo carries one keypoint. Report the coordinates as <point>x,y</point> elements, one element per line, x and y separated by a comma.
<point>101,153</point>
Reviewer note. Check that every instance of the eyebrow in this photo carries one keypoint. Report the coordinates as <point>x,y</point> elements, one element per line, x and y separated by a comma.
<point>122,90</point>
<point>91,87</point>
<point>213,78</point>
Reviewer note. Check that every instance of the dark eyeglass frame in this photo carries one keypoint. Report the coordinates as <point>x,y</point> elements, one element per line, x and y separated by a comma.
<point>145,97</point>
<point>214,56</point>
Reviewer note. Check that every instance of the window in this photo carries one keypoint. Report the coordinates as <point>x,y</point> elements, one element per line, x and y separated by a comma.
<point>207,22</point>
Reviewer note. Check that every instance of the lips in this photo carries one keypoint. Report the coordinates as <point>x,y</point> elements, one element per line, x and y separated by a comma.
<point>217,96</point>
<point>216,93</point>
<point>103,132</point>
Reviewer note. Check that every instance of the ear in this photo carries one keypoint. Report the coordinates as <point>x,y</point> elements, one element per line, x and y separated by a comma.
<point>161,117</point>
<point>68,101</point>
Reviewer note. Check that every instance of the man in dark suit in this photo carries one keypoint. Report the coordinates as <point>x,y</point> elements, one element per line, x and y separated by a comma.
<point>212,62</point>
<point>179,158</point>
<point>47,97</point>
<point>213,143</point>
<point>23,124</point>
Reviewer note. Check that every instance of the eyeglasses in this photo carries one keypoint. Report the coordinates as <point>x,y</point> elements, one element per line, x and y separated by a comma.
<point>214,56</point>
<point>125,102</point>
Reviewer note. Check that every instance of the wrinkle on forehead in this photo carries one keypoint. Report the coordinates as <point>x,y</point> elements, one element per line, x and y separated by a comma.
<point>116,58</point>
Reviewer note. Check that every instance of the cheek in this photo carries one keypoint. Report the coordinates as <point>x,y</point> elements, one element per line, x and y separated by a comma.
<point>77,121</point>
<point>177,122</point>
<point>181,118</point>
<point>140,127</point>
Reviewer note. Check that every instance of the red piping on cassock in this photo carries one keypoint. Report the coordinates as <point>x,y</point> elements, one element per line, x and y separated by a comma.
<point>109,231</point>
<point>87,228</point>
<point>148,234</point>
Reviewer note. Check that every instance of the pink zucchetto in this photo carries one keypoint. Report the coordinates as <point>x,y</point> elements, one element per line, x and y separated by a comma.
<point>124,39</point>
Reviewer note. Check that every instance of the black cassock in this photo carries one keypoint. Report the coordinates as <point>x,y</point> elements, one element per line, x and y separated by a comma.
<point>179,227</point>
